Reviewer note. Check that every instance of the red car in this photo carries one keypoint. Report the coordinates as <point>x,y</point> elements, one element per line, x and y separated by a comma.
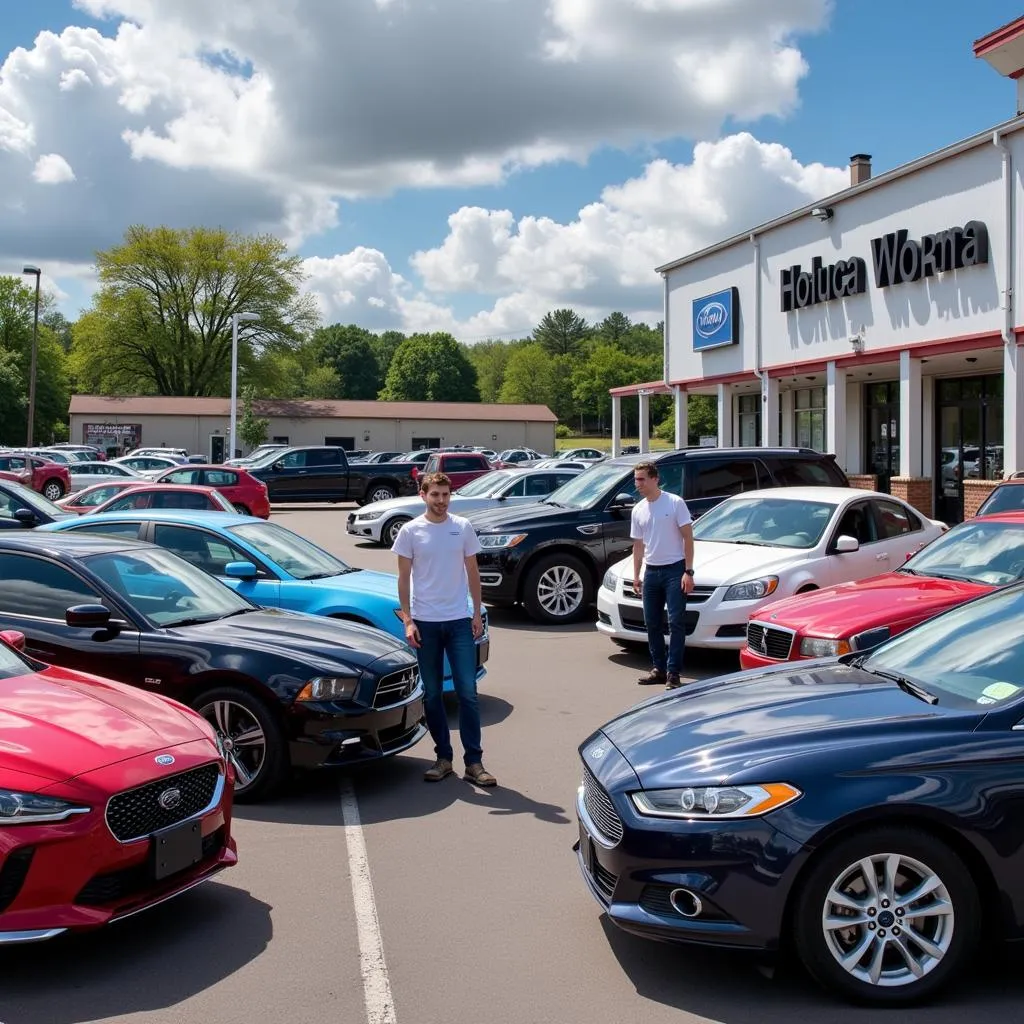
<point>242,489</point>
<point>973,558</point>
<point>90,498</point>
<point>459,467</point>
<point>50,479</point>
<point>200,499</point>
<point>111,799</point>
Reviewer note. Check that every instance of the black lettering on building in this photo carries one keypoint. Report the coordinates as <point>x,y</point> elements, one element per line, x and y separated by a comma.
<point>897,258</point>
<point>800,288</point>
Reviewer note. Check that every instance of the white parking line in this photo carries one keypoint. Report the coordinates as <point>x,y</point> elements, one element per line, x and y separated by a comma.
<point>380,1006</point>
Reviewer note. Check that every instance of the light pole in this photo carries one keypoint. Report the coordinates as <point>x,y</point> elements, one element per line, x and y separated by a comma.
<point>235,318</point>
<point>32,366</point>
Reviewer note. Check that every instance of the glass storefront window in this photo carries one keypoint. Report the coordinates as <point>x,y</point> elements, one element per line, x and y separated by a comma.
<point>750,420</point>
<point>882,450</point>
<point>810,418</point>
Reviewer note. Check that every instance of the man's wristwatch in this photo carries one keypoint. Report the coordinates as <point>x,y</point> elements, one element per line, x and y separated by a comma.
<point>687,572</point>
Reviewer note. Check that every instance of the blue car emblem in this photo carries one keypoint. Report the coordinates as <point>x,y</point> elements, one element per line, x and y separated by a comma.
<point>164,759</point>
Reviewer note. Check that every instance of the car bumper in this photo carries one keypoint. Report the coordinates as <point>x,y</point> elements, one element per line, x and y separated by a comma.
<point>368,530</point>
<point>499,575</point>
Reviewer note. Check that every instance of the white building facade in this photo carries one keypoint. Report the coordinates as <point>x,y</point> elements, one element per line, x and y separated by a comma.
<point>879,324</point>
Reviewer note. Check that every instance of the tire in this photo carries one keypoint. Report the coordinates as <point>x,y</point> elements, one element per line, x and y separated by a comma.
<point>53,490</point>
<point>380,492</point>
<point>239,713</point>
<point>241,509</point>
<point>951,933</point>
<point>557,589</point>
<point>391,528</point>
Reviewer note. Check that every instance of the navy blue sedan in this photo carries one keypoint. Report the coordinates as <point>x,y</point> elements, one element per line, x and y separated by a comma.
<point>866,812</point>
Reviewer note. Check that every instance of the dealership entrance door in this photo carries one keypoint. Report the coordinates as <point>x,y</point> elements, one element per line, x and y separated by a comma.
<point>882,405</point>
<point>969,431</point>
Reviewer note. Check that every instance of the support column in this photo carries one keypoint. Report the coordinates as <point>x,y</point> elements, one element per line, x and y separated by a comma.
<point>769,411</point>
<point>1013,409</point>
<point>682,422</point>
<point>910,416</point>
<point>788,418</point>
<point>644,422</point>
<point>616,425</point>
<point>724,416</point>
<point>835,412</point>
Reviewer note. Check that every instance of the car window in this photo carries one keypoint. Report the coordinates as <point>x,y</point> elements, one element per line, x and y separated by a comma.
<point>323,457</point>
<point>219,478</point>
<point>180,499</point>
<point>857,523</point>
<point>40,588</point>
<point>293,460</point>
<point>563,478</point>
<point>89,499</point>
<point>206,550</point>
<point>806,473</point>
<point>432,464</point>
<point>139,499</point>
<point>892,520</point>
<point>130,530</point>
<point>462,464</point>
<point>539,486</point>
<point>1009,498</point>
<point>716,478</point>
<point>517,490</point>
<point>181,476</point>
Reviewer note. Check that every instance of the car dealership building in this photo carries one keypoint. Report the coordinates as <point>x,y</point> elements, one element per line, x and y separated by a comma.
<point>880,324</point>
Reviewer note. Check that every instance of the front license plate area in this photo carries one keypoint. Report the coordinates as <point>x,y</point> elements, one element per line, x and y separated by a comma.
<point>177,848</point>
<point>483,652</point>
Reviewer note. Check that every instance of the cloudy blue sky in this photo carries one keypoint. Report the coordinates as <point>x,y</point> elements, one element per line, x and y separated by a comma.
<point>465,165</point>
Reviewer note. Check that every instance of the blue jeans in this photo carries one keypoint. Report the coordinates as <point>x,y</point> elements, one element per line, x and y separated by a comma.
<point>454,638</point>
<point>663,586</point>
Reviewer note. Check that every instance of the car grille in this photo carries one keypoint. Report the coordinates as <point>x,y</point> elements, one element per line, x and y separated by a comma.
<point>768,641</point>
<point>697,596</point>
<point>604,879</point>
<point>599,807</point>
<point>633,618</point>
<point>137,812</point>
<point>395,687</point>
<point>13,874</point>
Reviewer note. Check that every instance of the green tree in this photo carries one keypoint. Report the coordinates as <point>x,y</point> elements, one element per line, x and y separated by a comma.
<point>161,321</point>
<point>385,345</point>
<point>348,351</point>
<point>528,377</point>
<point>253,430</point>
<point>561,331</point>
<point>13,399</point>
<point>614,327</point>
<point>607,367</point>
<point>59,326</point>
<point>489,358</point>
<point>430,368</point>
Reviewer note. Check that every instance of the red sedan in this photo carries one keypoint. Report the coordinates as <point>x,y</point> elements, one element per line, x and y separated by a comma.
<point>111,799</point>
<point>241,488</point>
<point>971,559</point>
<point>50,479</point>
<point>90,498</point>
<point>200,499</point>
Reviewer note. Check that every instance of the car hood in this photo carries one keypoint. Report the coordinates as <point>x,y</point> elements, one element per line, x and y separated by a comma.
<point>736,725</point>
<point>715,563</point>
<point>521,517</point>
<point>362,581</point>
<point>413,505</point>
<point>849,608</point>
<point>57,724</point>
<point>322,644</point>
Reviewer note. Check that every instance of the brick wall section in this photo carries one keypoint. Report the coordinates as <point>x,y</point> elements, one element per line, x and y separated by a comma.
<point>914,490</point>
<point>975,492</point>
<point>863,481</point>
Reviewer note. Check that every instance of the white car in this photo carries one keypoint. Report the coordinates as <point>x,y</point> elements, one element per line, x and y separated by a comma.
<point>760,546</point>
<point>150,466</point>
<point>85,474</point>
<point>381,520</point>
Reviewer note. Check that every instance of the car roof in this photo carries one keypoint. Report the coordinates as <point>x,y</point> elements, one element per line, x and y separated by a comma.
<point>187,517</point>
<point>1000,517</point>
<point>748,451</point>
<point>830,495</point>
<point>71,546</point>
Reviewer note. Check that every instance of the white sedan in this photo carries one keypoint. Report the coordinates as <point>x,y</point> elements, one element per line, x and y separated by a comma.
<point>380,521</point>
<point>85,474</point>
<point>758,547</point>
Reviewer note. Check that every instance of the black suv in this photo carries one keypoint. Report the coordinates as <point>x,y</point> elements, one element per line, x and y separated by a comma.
<point>551,556</point>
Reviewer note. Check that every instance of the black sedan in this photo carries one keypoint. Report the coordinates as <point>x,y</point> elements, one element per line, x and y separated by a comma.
<point>868,812</point>
<point>22,508</point>
<point>284,690</point>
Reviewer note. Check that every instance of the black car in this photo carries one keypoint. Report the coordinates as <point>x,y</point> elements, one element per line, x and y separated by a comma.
<point>551,556</point>
<point>864,813</point>
<point>284,690</point>
<point>22,508</point>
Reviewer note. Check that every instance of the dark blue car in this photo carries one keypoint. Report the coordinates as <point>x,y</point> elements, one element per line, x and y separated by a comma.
<point>867,813</point>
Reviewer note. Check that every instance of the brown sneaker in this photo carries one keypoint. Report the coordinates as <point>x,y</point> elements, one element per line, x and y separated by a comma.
<point>653,678</point>
<point>673,681</point>
<point>439,770</point>
<point>480,775</point>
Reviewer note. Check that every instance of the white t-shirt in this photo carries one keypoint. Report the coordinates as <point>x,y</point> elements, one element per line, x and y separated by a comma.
<point>440,588</point>
<point>657,524</point>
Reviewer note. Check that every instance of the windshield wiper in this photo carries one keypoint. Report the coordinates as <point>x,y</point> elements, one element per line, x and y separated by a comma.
<point>948,576</point>
<point>197,620</point>
<point>907,685</point>
<point>324,575</point>
<point>553,504</point>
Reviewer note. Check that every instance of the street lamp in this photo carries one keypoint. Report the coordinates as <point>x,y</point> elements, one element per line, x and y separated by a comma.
<point>32,367</point>
<point>235,318</point>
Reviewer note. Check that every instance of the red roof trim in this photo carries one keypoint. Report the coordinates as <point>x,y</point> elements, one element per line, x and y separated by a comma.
<point>655,387</point>
<point>1004,34</point>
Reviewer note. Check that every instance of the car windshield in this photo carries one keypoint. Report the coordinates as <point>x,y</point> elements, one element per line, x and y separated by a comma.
<point>35,501</point>
<point>97,495</point>
<point>294,554</point>
<point>165,589</point>
<point>972,655</point>
<point>1007,498</point>
<point>770,522</point>
<point>978,551</point>
<point>592,485</point>
<point>11,665</point>
<point>486,484</point>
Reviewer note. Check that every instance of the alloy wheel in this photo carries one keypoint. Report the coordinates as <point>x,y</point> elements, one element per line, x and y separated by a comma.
<point>560,591</point>
<point>392,529</point>
<point>53,491</point>
<point>381,494</point>
<point>243,738</point>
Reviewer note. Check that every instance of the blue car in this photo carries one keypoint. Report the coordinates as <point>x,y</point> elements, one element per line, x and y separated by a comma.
<point>866,812</point>
<point>270,565</point>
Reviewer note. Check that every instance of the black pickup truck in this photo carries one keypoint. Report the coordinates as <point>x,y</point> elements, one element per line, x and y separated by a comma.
<point>323,473</point>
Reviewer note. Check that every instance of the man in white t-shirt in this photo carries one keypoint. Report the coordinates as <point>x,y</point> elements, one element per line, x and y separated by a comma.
<point>437,579</point>
<point>662,531</point>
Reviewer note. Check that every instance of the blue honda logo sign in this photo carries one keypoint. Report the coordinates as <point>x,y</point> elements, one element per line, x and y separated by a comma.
<point>715,320</point>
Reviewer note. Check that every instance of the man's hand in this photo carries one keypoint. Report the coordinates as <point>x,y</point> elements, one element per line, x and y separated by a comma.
<point>478,626</point>
<point>412,634</point>
<point>687,584</point>
<point>638,586</point>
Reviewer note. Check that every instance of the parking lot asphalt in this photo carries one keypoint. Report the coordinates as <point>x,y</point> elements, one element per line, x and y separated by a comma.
<point>482,916</point>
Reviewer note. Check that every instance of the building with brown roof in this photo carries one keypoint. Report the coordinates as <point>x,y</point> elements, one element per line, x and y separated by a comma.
<point>201,425</point>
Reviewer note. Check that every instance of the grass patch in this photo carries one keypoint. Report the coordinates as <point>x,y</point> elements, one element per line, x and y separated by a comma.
<point>604,444</point>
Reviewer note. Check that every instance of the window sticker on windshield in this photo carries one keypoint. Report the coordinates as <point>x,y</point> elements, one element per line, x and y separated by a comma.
<point>997,691</point>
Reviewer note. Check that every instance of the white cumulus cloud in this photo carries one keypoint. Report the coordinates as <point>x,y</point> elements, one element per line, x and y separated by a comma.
<point>52,169</point>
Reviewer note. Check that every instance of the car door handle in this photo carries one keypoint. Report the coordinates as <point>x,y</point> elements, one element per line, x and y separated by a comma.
<point>302,472</point>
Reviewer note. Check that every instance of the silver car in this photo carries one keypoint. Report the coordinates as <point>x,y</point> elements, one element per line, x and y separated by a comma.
<point>85,474</point>
<point>380,521</point>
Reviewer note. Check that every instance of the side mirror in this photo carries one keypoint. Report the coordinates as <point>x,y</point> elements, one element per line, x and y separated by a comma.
<point>622,501</point>
<point>277,466</point>
<point>845,544</point>
<point>13,638</point>
<point>26,517</point>
<point>240,570</point>
<point>88,616</point>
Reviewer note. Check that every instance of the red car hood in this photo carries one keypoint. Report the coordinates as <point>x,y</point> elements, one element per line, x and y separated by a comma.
<point>894,599</point>
<point>57,724</point>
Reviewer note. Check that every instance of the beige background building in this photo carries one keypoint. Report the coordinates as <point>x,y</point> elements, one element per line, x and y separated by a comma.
<point>202,424</point>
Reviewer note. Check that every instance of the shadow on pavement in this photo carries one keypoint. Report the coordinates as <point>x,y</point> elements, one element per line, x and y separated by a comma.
<point>515,617</point>
<point>150,962</point>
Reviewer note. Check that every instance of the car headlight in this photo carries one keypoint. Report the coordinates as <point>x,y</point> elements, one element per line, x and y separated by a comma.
<point>819,647</point>
<point>752,590</point>
<point>501,540</point>
<point>329,688</point>
<point>610,581</point>
<point>31,809</point>
<point>712,802</point>
<point>368,517</point>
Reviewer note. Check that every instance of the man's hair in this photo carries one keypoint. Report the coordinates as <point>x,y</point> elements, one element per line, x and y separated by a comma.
<point>429,479</point>
<point>648,468</point>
